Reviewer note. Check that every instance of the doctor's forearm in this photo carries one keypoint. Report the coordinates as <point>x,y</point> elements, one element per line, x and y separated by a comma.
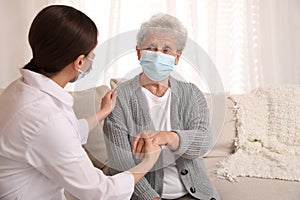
<point>95,119</point>
<point>141,169</point>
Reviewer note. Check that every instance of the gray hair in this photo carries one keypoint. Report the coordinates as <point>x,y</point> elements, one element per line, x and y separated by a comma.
<point>166,23</point>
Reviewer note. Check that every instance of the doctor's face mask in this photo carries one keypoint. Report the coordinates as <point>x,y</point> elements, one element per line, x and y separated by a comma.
<point>87,64</point>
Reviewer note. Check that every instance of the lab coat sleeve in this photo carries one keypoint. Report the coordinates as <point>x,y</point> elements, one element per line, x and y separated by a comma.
<point>57,153</point>
<point>83,127</point>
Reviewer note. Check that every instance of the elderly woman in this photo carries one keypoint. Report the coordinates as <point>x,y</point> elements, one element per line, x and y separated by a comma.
<point>172,113</point>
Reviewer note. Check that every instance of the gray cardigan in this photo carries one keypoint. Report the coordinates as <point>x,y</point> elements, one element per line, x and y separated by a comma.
<point>189,118</point>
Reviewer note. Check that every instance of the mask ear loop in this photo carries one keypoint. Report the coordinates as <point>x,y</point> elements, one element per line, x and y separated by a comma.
<point>91,59</point>
<point>80,71</point>
<point>81,74</point>
<point>87,57</point>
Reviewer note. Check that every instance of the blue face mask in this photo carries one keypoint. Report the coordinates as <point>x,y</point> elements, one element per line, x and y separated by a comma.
<point>156,65</point>
<point>82,74</point>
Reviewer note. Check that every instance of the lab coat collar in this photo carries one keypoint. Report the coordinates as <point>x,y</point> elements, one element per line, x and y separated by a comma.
<point>47,85</point>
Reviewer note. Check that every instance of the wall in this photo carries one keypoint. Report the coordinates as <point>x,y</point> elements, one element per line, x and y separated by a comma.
<point>15,19</point>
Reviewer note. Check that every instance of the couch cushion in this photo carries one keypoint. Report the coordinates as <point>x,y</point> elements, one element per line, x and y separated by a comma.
<point>224,144</point>
<point>1,90</point>
<point>251,188</point>
<point>86,103</point>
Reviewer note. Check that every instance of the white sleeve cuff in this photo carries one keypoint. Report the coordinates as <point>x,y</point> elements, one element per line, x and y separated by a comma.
<point>125,183</point>
<point>119,186</point>
<point>83,127</point>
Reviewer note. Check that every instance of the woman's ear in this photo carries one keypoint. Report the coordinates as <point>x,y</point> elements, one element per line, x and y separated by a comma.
<point>138,52</point>
<point>78,62</point>
<point>177,58</point>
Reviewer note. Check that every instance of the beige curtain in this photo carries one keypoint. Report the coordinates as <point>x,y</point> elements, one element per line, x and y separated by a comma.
<point>251,42</point>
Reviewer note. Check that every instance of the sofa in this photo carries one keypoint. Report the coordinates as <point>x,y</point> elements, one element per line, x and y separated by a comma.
<point>245,187</point>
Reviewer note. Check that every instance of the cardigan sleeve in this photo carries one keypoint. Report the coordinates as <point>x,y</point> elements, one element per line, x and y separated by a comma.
<point>196,138</point>
<point>119,150</point>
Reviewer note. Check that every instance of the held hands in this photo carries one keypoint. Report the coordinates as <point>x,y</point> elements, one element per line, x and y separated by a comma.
<point>151,150</point>
<point>160,138</point>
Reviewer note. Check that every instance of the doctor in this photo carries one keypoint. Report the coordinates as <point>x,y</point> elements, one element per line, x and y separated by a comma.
<point>40,137</point>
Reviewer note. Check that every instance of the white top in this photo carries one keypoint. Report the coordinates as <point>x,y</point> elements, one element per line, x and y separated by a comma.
<point>160,112</point>
<point>40,146</point>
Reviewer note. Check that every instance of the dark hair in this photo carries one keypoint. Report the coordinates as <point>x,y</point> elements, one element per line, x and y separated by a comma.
<point>57,36</point>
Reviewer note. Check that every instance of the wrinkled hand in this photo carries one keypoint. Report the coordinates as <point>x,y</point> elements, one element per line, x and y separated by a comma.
<point>168,138</point>
<point>108,102</point>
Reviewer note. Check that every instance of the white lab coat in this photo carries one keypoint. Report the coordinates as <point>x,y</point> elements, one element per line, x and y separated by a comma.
<point>40,146</point>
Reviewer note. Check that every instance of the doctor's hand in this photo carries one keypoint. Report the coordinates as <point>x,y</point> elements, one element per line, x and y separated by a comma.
<point>108,103</point>
<point>167,138</point>
<point>150,155</point>
<point>151,150</point>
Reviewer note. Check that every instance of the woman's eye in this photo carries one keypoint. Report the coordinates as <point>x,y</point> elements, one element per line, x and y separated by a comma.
<point>168,51</point>
<point>152,48</point>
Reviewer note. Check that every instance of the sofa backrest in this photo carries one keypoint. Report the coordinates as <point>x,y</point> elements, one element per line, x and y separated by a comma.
<point>224,144</point>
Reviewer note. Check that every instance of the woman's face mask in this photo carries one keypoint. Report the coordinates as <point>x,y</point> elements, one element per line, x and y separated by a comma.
<point>156,65</point>
<point>82,74</point>
<point>86,65</point>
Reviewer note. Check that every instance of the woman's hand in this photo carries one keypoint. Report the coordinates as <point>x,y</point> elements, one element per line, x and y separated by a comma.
<point>108,103</point>
<point>167,138</point>
<point>151,150</point>
<point>150,155</point>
